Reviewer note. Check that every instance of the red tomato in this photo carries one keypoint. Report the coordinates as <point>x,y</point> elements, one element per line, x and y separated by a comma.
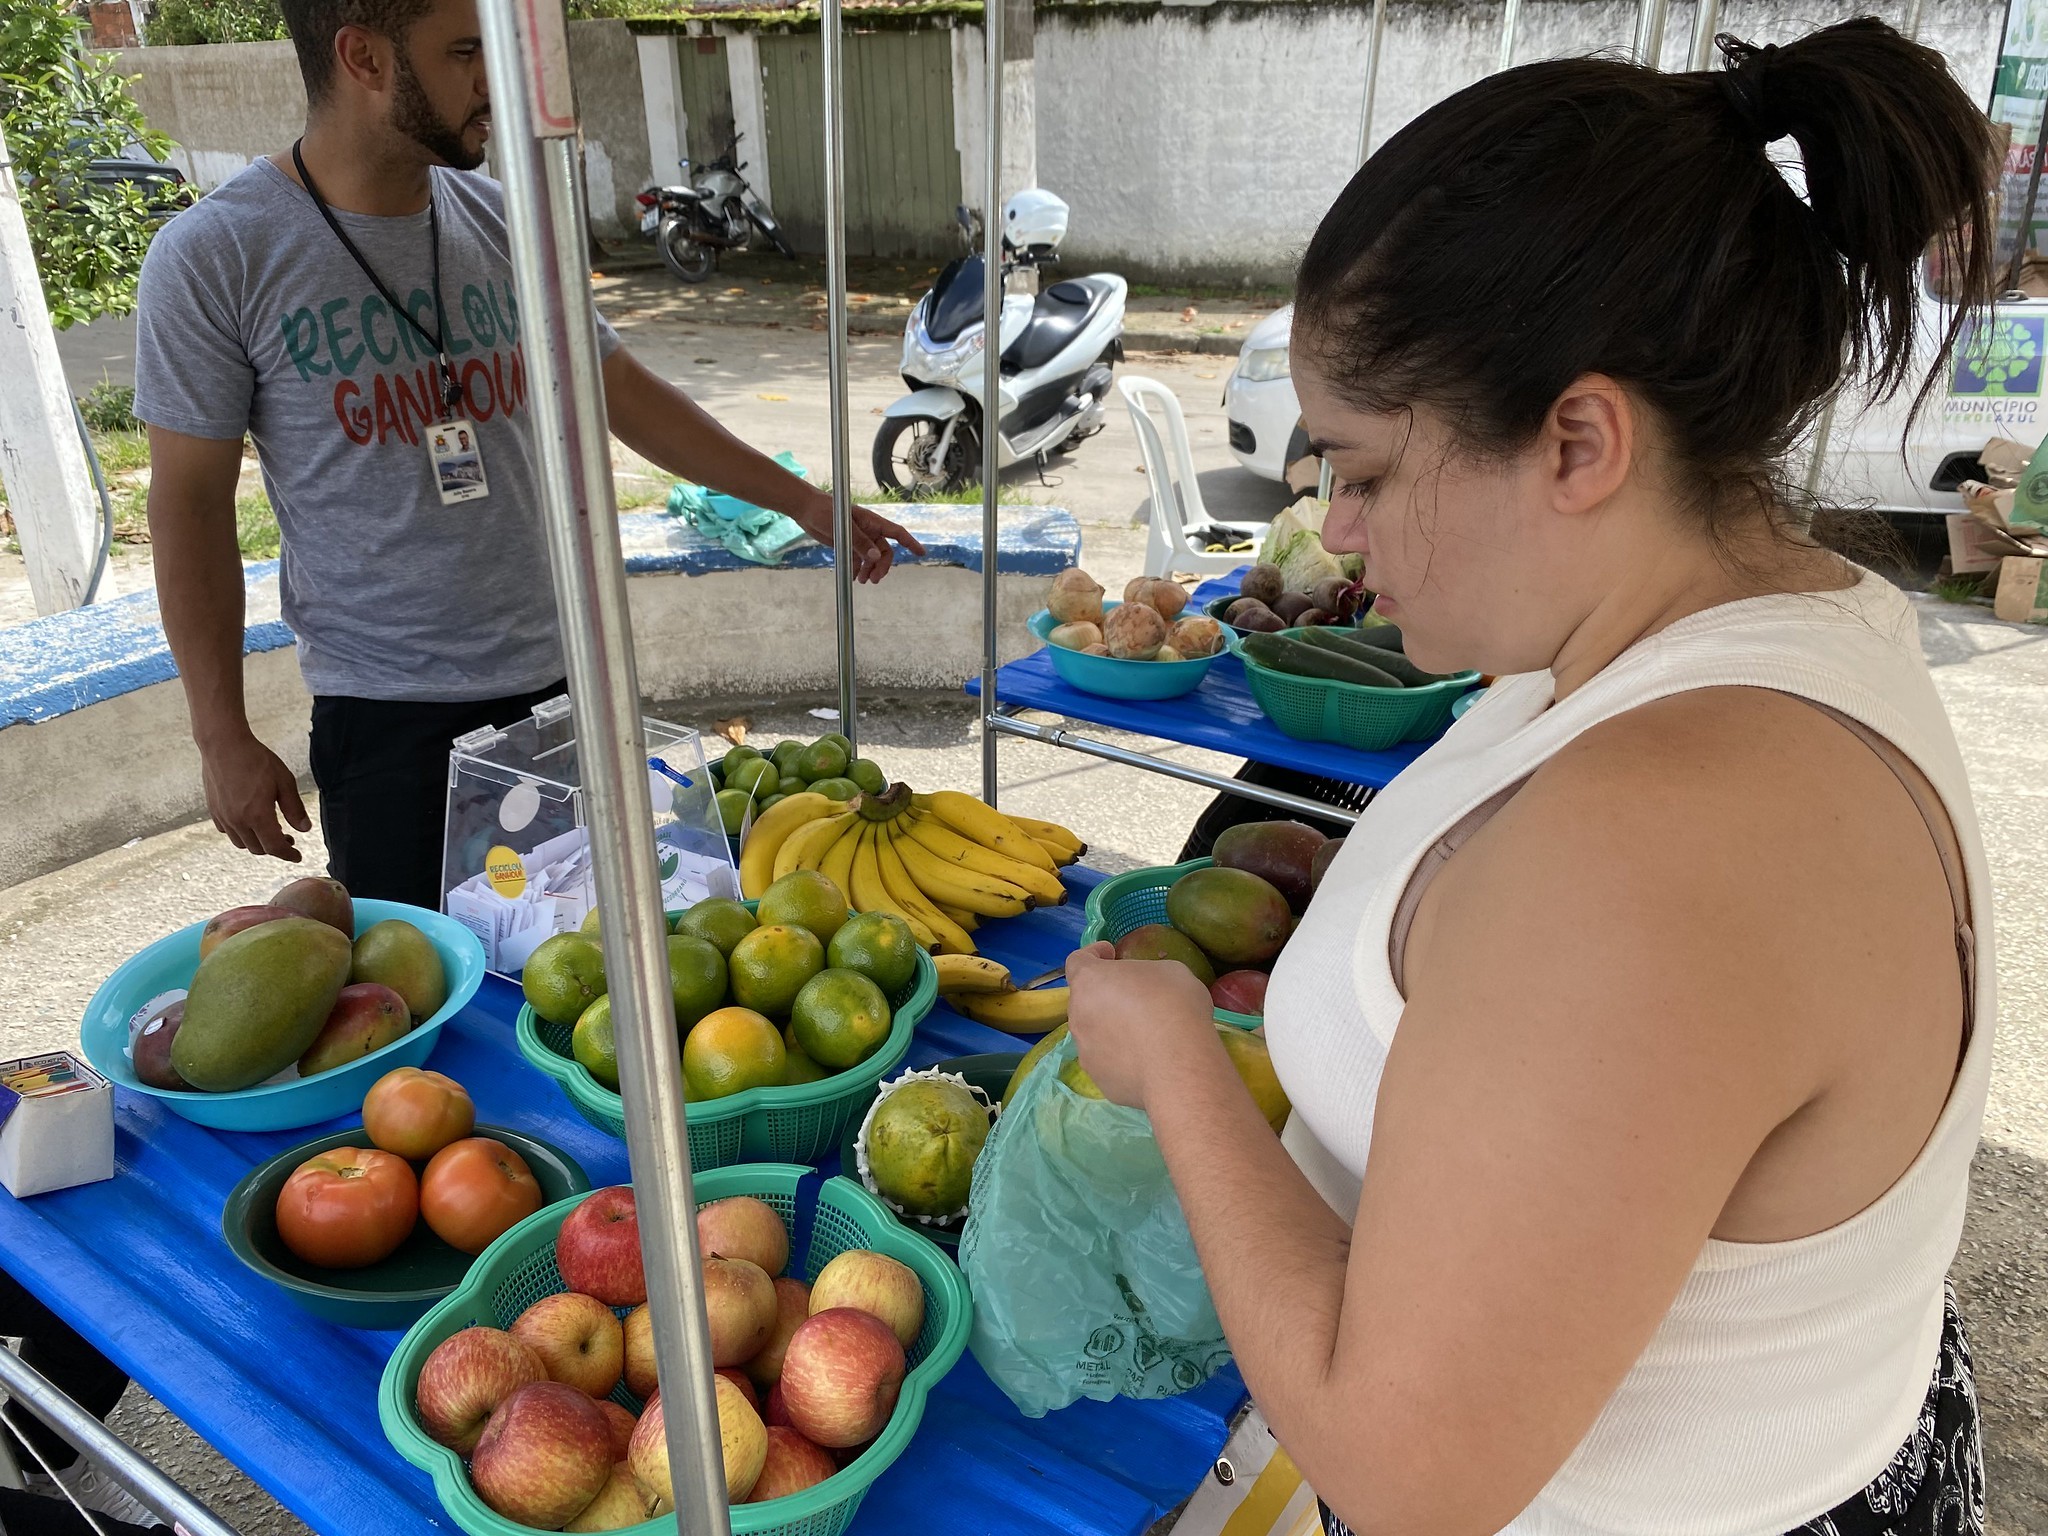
<point>348,1207</point>
<point>416,1113</point>
<point>475,1189</point>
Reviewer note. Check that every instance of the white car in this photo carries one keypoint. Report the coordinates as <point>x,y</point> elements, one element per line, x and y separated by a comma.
<point>1265,419</point>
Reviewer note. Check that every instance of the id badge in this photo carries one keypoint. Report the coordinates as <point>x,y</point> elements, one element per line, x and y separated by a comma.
<point>455,451</point>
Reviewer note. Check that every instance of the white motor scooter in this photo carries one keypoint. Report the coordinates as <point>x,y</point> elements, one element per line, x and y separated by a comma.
<point>1058,350</point>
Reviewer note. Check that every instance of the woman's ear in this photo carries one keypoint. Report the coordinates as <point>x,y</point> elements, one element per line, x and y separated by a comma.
<point>1590,441</point>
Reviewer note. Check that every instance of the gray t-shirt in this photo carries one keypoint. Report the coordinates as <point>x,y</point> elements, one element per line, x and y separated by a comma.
<point>254,318</point>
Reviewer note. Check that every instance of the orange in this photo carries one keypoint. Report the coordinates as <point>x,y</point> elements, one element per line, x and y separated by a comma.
<point>803,898</point>
<point>732,1050</point>
<point>769,967</point>
<point>839,1019</point>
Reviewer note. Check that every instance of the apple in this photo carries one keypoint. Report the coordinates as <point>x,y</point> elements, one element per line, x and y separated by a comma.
<point>841,1376</point>
<point>366,1017</point>
<point>792,1306</point>
<point>873,1282</point>
<point>324,900</point>
<point>739,1303</point>
<point>742,1439</point>
<point>744,1228</point>
<point>619,1503</point>
<point>465,1379</point>
<point>774,1410</point>
<point>640,1378</point>
<point>597,1250</point>
<point>792,1465</point>
<point>544,1455</point>
<point>1241,992</point>
<point>577,1339</point>
<point>622,1422</point>
<point>739,1379</point>
<point>231,922</point>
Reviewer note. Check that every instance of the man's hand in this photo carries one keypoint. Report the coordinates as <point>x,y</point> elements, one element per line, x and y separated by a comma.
<point>873,535</point>
<point>247,785</point>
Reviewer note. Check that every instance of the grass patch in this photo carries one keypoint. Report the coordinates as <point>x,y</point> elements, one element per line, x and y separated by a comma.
<point>256,532</point>
<point>121,450</point>
<point>1006,496</point>
<point>639,492</point>
<point>131,512</point>
<point>1958,589</point>
<point>109,407</point>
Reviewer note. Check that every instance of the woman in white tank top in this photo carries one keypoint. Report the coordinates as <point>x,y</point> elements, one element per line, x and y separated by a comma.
<point>1638,1037</point>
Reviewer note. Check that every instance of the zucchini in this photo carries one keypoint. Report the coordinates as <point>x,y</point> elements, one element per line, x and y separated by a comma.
<point>1392,662</point>
<point>1385,634</point>
<point>1282,653</point>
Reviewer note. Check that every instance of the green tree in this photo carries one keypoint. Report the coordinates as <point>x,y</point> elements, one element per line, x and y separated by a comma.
<point>62,108</point>
<point>174,22</point>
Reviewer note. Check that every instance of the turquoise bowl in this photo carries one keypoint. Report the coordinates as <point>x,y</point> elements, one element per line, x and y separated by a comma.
<point>1109,678</point>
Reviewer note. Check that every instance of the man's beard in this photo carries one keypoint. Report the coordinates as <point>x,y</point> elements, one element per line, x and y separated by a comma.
<point>414,116</point>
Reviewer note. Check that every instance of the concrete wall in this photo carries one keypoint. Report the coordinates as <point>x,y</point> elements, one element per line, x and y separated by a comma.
<point>226,104</point>
<point>1204,142</point>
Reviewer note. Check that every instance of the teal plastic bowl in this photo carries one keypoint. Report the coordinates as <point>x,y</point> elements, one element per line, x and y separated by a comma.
<point>167,966</point>
<point>1108,678</point>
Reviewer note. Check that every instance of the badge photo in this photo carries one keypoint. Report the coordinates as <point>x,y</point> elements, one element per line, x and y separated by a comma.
<point>454,450</point>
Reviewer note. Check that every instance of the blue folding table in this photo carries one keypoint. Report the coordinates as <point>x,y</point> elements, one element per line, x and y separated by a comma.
<point>138,1265</point>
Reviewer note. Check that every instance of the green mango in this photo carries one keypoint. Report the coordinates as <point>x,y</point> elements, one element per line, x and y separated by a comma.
<point>258,1001</point>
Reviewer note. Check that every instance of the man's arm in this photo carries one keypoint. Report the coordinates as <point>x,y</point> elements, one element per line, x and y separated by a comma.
<point>200,592</point>
<point>661,423</point>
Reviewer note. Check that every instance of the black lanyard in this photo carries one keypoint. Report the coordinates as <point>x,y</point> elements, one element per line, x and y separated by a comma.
<point>451,391</point>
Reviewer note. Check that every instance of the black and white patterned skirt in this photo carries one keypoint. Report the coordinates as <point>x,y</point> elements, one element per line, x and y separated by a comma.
<point>1934,1486</point>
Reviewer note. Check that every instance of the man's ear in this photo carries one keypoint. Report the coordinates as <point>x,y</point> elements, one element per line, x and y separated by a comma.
<point>365,57</point>
<point>1591,440</point>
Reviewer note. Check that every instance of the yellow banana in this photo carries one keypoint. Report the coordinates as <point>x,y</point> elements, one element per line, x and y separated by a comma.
<point>982,823</point>
<point>1051,834</point>
<point>870,895</point>
<point>960,915</point>
<point>947,883</point>
<point>949,937</point>
<point>836,863</point>
<point>972,973</point>
<point>770,831</point>
<point>1016,1013</point>
<point>807,844</point>
<point>1060,857</point>
<point>944,843</point>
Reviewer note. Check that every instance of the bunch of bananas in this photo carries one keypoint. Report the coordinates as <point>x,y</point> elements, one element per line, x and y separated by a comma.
<point>983,990</point>
<point>941,862</point>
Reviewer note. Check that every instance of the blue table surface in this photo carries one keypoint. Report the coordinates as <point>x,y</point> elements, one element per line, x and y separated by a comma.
<point>137,1264</point>
<point>1220,715</point>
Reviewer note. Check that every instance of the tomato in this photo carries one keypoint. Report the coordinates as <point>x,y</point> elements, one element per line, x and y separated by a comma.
<point>348,1207</point>
<point>475,1189</point>
<point>416,1113</point>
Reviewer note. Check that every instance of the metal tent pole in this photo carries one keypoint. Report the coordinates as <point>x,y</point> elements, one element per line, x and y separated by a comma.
<point>1373,42</point>
<point>991,377</point>
<point>535,115</point>
<point>1706,21</point>
<point>1649,44</point>
<point>843,563</point>
<point>1509,18</point>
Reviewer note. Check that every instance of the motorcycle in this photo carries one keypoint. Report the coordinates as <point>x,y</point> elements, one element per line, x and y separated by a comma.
<point>1059,350</point>
<point>717,211</point>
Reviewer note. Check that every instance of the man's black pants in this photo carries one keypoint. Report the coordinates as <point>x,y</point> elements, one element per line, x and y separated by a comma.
<point>382,769</point>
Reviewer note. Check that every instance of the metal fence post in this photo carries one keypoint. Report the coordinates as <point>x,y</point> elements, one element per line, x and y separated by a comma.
<point>535,116</point>
<point>991,379</point>
<point>843,564</point>
<point>1374,40</point>
<point>1649,44</point>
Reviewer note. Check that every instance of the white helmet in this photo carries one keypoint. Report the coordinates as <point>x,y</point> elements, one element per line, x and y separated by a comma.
<point>1034,221</point>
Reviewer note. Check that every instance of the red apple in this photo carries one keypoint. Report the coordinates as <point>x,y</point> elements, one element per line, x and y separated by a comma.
<point>597,1250</point>
<point>465,1379</point>
<point>743,1228</point>
<point>774,1410</point>
<point>873,1282</point>
<point>841,1377</point>
<point>619,1503</point>
<point>233,921</point>
<point>324,900</point>
<point>792,1306</point>
<point>742,1439</point>
<point>640,1377</point>
<point>622,1423</point>
<point>544,1455</point>
<point>739,1379</point>
<point>1241,992</point>
<point>739,1303</point>
<point>792,1465</point>
<point>577,1339</point>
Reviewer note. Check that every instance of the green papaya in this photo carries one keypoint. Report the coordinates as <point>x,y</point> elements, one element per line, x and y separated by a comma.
<point>258,1001</point>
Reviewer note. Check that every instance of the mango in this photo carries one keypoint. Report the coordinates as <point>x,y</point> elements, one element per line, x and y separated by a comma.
<point>1031,1059</point>
<point>1156,941</point>
<point>324,900</point>
<point>1238,918</point>
<point>257,1002</point>
<point>151,1051</point>
<point>366,1017</point>
<point>399,956</point>
<point>1282,853</point>
<point>233,921</point>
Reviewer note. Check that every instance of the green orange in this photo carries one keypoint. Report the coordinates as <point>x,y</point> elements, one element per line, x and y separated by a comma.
<point>839,1018</point>
<point>803,898</point>
<point>880,946</point>
<point>594,1044</point>
<point>719,920</point>
<point>731,1051</point>
<point>696,977</point>
<point>769,967</point>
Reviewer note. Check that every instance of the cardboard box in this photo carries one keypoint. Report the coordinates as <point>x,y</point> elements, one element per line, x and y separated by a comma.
<point>56,1124</point>
<point>2022,592</point>
<point>1972,547</point>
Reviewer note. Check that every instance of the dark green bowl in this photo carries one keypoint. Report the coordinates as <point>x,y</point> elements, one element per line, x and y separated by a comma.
<point>991,1074</point>
<point>397,1292</point>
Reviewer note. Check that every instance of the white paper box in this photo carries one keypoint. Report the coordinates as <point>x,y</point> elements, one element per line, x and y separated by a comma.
<point>58,1134</point>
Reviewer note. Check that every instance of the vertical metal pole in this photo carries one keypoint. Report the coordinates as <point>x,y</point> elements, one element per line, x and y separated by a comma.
<point>2021,235</point>
<point>843,565</point>
<point>535,153</point>
<point>991,376</point>
<point>1912,23</point>
<point>1509,18</point>
<point>1706,21</point>
<point>1649,44</point>
<point>1373,45</point>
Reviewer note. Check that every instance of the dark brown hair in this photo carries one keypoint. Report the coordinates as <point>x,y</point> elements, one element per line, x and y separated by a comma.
<point>1592,216</point>
<point>313,23</point>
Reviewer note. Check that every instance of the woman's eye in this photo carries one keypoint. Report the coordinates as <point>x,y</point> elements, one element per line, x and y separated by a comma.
<point>1358,490</point>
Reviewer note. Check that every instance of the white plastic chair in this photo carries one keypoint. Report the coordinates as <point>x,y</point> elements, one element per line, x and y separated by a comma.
<point>1176,495</point>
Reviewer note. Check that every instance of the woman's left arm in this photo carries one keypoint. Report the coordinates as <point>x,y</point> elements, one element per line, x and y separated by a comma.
<point>1583,1071</point>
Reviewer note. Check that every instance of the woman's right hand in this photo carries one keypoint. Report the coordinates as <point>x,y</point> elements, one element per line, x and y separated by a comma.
<point>247,785</point>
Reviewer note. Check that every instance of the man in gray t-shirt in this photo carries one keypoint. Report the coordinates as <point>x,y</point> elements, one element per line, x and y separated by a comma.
<point>349,305</point>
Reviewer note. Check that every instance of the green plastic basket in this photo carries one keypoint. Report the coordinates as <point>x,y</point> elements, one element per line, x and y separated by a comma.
<point>1130,901</point>
<point>782,1125</point>
<point>519,1268</point>
<point>1349,714</point>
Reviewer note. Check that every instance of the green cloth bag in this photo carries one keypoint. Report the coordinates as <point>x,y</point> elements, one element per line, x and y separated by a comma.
<point>753,533</point>
<point>1084,1274</point>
